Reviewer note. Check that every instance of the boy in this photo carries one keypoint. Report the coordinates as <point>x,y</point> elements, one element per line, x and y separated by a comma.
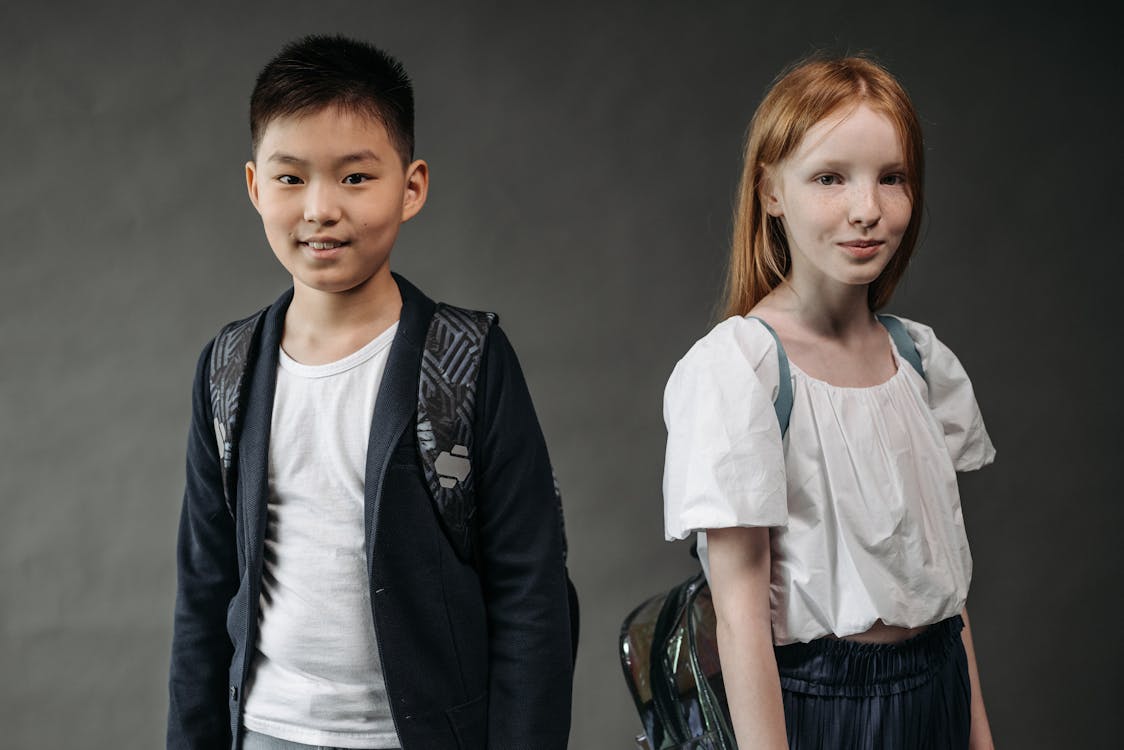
<point>326,606</point>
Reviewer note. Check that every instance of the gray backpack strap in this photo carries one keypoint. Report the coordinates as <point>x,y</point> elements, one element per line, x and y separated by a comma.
<point>227,378</point>
<point>903,342</point>
<point>454,347</point>
<point>783,402</point>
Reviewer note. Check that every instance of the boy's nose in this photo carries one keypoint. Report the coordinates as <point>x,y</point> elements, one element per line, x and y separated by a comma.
<point>320,205</point>
<point>865,207</point>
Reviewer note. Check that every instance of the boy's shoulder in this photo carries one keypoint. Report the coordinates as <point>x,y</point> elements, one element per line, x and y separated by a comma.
<point>228,353</point>
<point>445,337</point>
<point>450,340</point>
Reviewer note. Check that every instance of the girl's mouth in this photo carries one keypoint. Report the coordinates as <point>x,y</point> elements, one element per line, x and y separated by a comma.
<point>861,249</point>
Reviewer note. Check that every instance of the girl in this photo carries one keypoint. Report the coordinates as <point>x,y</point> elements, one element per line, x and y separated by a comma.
<point>834,545</point>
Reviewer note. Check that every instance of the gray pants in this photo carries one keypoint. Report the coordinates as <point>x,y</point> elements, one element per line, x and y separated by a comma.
<point>255,741</point>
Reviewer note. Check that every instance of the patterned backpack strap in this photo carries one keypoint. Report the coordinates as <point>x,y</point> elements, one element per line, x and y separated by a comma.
<point>227,377</point>
<point>454,347</point>
<point>783,401</point>
<point>903,342</point>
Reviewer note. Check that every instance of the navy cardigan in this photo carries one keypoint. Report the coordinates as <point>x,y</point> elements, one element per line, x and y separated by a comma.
<point>475,656</point>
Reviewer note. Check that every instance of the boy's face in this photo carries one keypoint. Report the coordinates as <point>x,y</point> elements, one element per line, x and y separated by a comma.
<point>332,191</point>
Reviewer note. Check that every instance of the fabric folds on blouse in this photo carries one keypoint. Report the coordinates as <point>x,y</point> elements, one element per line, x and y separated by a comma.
<point>860,495</point>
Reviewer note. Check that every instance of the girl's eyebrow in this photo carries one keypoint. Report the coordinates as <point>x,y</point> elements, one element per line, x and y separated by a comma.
<point>829,164</point>
<point>842,164</point>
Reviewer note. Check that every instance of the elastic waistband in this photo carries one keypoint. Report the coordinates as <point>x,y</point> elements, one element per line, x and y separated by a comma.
<point>829,666</point>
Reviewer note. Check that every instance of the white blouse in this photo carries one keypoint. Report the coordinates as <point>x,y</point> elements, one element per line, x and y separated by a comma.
<point>860,496</point>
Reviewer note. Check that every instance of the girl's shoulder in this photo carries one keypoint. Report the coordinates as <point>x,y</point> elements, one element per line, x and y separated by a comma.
<point>921,334</point>
<point>738,341</point>
<point>725,461</point>
<point>952,399</point>
<point>728,374</point>
<point>941,365</point>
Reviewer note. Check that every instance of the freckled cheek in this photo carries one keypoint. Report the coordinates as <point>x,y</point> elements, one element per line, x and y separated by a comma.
<point>902,210</point>
<point>824,211</point>
<point>821,220</point>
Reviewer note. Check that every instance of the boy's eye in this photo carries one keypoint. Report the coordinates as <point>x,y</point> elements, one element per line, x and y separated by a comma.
<point>288,179</point>
<point>828,179</point>
<point>356,179</point>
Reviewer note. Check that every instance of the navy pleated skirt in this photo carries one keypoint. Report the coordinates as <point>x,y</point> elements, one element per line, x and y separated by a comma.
<point>912,695</point>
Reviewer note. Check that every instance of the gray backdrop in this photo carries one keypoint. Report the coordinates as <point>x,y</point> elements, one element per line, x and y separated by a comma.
<point>584,160</point>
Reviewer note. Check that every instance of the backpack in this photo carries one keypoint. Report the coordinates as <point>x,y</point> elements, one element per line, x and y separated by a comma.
<point>669,643</point>
<point>451,358</point>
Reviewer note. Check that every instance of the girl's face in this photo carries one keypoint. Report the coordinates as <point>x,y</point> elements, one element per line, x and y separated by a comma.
<point>842,198</point>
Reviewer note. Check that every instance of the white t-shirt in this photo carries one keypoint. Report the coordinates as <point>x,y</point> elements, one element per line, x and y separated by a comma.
<point>860,496</point>
<point>317,678</point>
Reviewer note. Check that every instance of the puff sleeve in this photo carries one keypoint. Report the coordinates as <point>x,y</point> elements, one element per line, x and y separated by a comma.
<point>952,401</point>
<point>724,464</point>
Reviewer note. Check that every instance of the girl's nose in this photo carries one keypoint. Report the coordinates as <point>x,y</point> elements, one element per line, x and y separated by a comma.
<point>320,204</point>
<point>865,208</point>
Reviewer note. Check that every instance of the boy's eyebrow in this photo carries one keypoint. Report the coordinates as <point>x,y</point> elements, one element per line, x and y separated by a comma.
<point>365,155</point>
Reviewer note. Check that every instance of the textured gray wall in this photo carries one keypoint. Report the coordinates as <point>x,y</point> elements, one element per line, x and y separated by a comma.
<point>584,161</point>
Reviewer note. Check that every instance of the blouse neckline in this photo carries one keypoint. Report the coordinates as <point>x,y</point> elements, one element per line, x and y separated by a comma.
<point>899,372</point>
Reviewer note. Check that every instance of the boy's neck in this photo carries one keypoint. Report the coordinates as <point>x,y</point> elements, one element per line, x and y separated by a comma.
<point>322,327</point>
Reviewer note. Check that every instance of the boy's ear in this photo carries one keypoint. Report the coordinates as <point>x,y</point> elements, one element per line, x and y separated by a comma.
<point>768,193</point>
<point>252,183</point>
<point>416,189</point>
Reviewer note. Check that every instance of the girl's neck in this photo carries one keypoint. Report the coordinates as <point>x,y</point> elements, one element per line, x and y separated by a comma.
<point>827,308</point>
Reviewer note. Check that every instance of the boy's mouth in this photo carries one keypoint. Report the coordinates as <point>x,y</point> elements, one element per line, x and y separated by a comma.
<point>323,244</point>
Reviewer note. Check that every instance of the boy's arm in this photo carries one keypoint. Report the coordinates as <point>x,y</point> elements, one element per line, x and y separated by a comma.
<point>521,561</point>
<point>206,557</point>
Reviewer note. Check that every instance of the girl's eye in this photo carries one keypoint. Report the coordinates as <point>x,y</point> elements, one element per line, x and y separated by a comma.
<point>288,179</point>
<point>894,179</point>
<point>356,179</point>
<point>828,179</point>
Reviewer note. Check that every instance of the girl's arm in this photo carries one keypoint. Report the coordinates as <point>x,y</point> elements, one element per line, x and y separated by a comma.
<point>981,731</point>
<point>739,583</point>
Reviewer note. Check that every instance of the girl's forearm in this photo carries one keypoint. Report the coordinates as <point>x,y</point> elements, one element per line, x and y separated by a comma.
<point>753,688</point>
<point>739,582</point>
<point>980,738</point>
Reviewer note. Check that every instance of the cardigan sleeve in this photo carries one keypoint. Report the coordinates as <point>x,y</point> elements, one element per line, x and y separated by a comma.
<point>522,563</point>
<point>207,565</point>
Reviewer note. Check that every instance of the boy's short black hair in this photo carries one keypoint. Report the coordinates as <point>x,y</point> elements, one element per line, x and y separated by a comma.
<point>320,71</point>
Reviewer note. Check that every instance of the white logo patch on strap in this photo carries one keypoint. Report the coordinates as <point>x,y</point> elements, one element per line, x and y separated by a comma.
<point>453,467</point>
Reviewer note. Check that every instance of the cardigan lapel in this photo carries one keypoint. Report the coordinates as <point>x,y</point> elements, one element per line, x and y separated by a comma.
<point>396,403</point>
<point>253,442</point>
